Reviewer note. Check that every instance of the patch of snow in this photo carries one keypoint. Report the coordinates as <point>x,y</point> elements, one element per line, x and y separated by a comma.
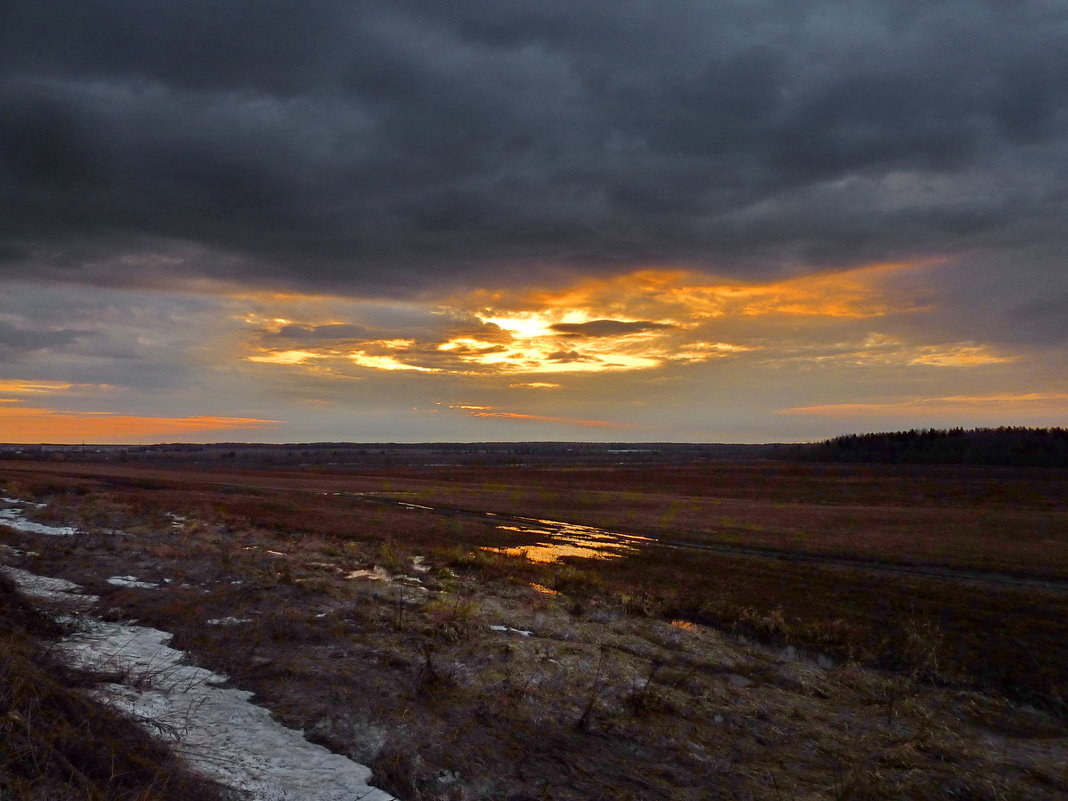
<point>228,621</point>
<point>46,588</point>
<point>376,573</point>
<point>322,565</point>
<point>215,729</point>
<point>510,630</point>
<point>35,505</point>
<point>419,564</point>
<point>13,518</point>
<point>132,581</point>
<point>276,553</point>
<point>177,520</point>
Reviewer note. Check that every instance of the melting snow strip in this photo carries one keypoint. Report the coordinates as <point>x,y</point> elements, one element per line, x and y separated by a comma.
<point>13,519</point>
<point>48,589</point>
<point>132,581</point>
<point>6,499</point>
<point>215,729</point>
<point>510,630</point>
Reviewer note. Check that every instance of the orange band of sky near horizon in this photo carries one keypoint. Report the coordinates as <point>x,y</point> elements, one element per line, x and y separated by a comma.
<point>25,425</point>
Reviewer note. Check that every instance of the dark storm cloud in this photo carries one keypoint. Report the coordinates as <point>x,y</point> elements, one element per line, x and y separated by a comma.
<point>567,356</point>
<point>1041,322</point>
<point>16,342</point>
<point>319,332</point>
<point>390,147</point>
<point>607,328</point>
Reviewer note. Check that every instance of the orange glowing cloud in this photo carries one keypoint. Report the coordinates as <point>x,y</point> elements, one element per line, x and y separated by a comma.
<point>25,424</point>
<point>964,354</point>
<point>880,350</point>
<point>489,411</point>
<point>14,386</point>
<point>378,362</point>
<point>284,357</point>
<point>679,296</point>
<point>640,321</point>
<point>996,405</point>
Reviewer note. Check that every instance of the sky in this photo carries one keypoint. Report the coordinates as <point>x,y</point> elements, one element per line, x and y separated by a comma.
<point>625,220</point>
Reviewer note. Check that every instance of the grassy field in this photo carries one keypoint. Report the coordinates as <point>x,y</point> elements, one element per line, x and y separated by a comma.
<point>936,638</point>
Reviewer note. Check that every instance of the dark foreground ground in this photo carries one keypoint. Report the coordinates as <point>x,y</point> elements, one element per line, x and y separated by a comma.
<point>674,671</point>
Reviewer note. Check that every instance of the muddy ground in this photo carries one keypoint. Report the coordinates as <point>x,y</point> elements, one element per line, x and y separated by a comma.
<point>456,678</point>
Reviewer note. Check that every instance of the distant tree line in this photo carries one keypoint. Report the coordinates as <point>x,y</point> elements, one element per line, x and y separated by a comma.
<point>1013,446</point>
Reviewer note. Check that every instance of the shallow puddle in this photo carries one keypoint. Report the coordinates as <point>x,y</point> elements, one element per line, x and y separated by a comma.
<point>559,539</point>
<point>569,539</point>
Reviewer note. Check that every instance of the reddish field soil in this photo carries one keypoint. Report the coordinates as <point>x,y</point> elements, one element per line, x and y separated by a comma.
<point>1011,521</point>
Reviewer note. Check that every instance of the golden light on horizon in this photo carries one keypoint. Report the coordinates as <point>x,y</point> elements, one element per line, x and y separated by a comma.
<point>14,386</point>
<point>28,425</point>
<point>998,405</point>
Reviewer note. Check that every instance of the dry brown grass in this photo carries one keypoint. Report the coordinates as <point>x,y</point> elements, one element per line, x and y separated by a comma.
<point>1009,640</point>
<point>605,701</point>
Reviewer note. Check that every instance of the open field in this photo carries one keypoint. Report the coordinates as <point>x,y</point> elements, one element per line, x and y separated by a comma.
<point>616,694</point>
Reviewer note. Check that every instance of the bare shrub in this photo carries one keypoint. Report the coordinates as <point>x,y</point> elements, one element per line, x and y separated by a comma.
<point>452,617</point>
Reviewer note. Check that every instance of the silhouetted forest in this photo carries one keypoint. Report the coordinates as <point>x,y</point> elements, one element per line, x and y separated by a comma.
<point>1015,446</point>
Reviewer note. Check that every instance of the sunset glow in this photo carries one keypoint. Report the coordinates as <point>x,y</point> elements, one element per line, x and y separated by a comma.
<point>28,425</point>
<point>487,411</point>
<point>996,406</point>
<point>16,387</point>
<point>637,322</point>
<point>512,345</point>
<point>391,211</point>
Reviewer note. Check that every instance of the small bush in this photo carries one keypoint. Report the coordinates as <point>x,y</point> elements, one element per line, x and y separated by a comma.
<point>452,617</point>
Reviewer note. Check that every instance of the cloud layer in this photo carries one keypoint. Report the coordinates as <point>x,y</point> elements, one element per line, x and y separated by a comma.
<point>651,219</point>
<point>387,147</point>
